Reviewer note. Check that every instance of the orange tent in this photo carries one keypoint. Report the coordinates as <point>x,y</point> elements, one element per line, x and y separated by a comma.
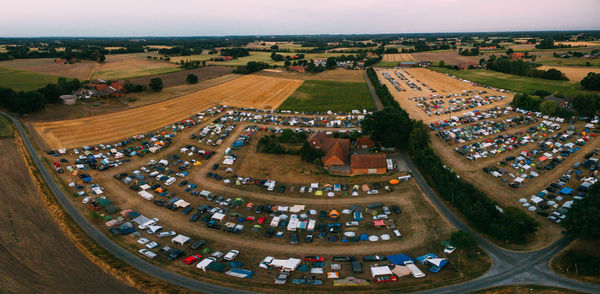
<point>334,214</point>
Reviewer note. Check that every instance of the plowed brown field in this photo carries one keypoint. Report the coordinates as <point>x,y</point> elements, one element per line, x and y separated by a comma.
<point>247,91</point>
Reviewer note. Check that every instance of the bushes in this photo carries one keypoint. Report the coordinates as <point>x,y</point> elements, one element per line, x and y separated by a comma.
<point>251,67</point>
<point>156,84</point>
<point>582,263</point>
<point>582,219</point>
<point>522,68</point>
<point>235,52</point>
<point>591,82</point>
<point>191,79</point>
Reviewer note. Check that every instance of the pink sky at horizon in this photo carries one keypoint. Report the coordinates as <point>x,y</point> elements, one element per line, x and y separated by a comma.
<point>268,17</point>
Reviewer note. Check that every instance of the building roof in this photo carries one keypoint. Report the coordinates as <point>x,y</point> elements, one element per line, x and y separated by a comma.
<point>365,141</point>
<point>339,150</point>
<point>368,161</point>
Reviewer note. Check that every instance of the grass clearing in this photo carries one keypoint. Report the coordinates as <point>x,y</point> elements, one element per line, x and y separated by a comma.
<point>321,96</point>
<point>5,127</point>
<point>20,80</point>
<point>514,82</point>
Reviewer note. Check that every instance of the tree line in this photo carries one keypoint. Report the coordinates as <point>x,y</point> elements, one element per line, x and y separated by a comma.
<point>250,67</point>
<point>392,127</point>
<point>522,68</point>
<point>23,102</point>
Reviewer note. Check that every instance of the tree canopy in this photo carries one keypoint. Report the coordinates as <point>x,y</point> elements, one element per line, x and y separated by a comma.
<point>582,219</point>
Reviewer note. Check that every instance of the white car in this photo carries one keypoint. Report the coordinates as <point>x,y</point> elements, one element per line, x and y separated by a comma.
<point>449,249</point>
<point>397,233</point>
<point>380,216</point>
<point>86,200</point>
<point>152,245</point>
<point>167,234</point>
<point>231,255</point>
<point>148,223</point>
<point>143,241</point>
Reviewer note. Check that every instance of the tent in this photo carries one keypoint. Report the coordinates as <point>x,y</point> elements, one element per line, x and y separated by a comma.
<point>401,271</point>
<point>379,223</point>
<point>399,259</point>
<point>566,191</point>
<point>333,275</point>
<point>438,264</point>
<point>239,273</point>
<point>334,214</point>
<point>423,258</point>
<point>180,239</point>
<point>218,216</point>
<point>216,267</point>
<point>380,271</point>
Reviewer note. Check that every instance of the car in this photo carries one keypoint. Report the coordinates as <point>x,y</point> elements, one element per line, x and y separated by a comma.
<point>313,258</point>
<point>386,210</point>
<point>385,279</point>
<point>261,220</point>
<point>143,241</point>
<point>322,214</point>
<point>231,255</point>
<point>282,278</point>
<point>147,253</point>
<point>449,249</point>
<point>198,244</point>
<point>269,233</point>
<point>309,238</point>
<point>192,259</point>
<point>215,166</point>
<point>259,209</point>
<point>397,233</point>
<point>380,216</point>
<point>294,238</point>
<point>152,245</point>
<point>374,258</point>
<point>195,217</point>
<point>357,267</point>
<point>344,258</point>
<point>86,199</point>
<point>160,202</point>
<point>187,210</point>
<point>167,234</point>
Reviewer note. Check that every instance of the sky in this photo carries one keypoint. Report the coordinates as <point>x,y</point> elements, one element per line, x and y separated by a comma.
<point>126,18</point>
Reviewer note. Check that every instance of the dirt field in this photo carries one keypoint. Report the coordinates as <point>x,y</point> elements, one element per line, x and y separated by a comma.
<point>35,255</point>
<point>124,66</point>
<point>443,84</point>
<point>178,78</point>
<point>328,75</point>
<point>79,70</point>
<point>575,74</point>
<point>247,91</point>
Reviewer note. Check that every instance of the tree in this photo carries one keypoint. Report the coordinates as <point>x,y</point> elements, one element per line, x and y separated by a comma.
<point>390,126</point>
<point>191,79</point>
<point>582,219</point>
<point>156,84</point>
<point>274,47</point>
<point>419,136</point>
<point>586,105</point>
<point>462,240</point>
<point>330,63</point>
<point>591,81</point>
<point>510,51</point>
<point>548,107</point>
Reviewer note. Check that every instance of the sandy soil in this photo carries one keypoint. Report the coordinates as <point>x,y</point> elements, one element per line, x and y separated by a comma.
<point>443,84</point>
<point>35,255</point>
<point>80,70</point>
<point>575,74</point>
<point>248,91</point>
<point>328,75</point>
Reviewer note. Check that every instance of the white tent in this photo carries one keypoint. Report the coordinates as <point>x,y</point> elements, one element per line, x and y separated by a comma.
<point>180,239</point>
<point>536,199</point>
<point>146,195</point>
<point>181,203</point>
<point>435,261</point>
<point>297,208</point>
<point>380,271</point>
<point>145,187</point>
<point>218,216</point>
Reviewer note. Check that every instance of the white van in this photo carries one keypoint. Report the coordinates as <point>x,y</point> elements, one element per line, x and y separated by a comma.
<point>205,263</point>
<point>170,181</point>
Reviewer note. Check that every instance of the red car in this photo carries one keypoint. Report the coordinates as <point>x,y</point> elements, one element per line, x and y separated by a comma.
<point>192,258</point>
<point>386,279</point>
<point>313,258</point>
<point>261,220</point>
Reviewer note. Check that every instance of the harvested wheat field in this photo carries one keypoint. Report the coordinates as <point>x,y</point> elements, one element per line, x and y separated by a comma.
<point>399,57</point>
<point>125,66</point>
<point>578,43</point>
<point>79,70</point>
<point>575,74</point>
<point>247,91</point>
<point>450,57</point>
<point>441,83</point>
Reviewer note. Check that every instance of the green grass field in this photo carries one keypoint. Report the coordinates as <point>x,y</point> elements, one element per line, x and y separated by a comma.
<point>568,61</point>
<point>20,80</point>
<point>514,82</point>
<point>320,96</point>
<point>382,63</point>
<point>134,72</point>
<point>5,127</point>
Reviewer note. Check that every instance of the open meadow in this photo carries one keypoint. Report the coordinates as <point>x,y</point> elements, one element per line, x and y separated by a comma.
<point>321,96</point>
<point>127,66</point>
<point>247,91</point>
<point>20,80</point>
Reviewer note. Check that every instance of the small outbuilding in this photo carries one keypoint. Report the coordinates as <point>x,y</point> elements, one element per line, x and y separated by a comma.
<point>68,99</point>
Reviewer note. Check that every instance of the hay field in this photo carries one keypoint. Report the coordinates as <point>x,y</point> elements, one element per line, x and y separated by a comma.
<point>79,70</point>
<point>125,66</point>
<point>339,75</point>
<point>575,74</point>
<point>450,57</point>
<point>399,57</point>
<point>443,84</point>
<point>247,91</point>
<point>578,43</point>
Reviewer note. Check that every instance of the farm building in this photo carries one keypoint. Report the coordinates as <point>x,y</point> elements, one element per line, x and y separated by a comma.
<point>364,143</point>
<point>297,68</point>
<point>336,150</point>
<point>368,164</point>
<point>517,55</point>
<point>68,99</point>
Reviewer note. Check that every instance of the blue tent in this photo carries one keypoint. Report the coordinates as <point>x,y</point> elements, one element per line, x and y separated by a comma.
<point>333,238</point>
<point>364,237</point>
<point>399,259</point>
<point>344,240</point>
<point>437,268</point>
<point>422,258</point>
<point>235,264</point>
<point>566,191</point>
<point>240,273</point>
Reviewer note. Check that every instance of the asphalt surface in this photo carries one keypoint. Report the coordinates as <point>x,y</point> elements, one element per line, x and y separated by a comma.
<point>508,267</point>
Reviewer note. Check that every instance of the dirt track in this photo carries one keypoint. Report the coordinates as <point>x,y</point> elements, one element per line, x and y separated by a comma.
<point>35,255</point>
<point>247,91</point>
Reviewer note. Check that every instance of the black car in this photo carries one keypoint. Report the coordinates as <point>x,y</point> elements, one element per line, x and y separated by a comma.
<point>281,188</point>
<point>269,233</point>
<point>195,216</point>
<point>374,258</point>
<point>294,238</point>
<point>396,209</point>
<point>309,238</point>
<point>344,258</point>
<point>322,214</point>
<point>259,209</point>
<point>187,210</point>
<point>214,167</point>
<point>159,202</point>
<point>198,244</point>
<point>174,254</point>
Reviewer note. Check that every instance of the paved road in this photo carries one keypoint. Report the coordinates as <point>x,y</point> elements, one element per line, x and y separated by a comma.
<point>508,267</point>
<point>104,241</point>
